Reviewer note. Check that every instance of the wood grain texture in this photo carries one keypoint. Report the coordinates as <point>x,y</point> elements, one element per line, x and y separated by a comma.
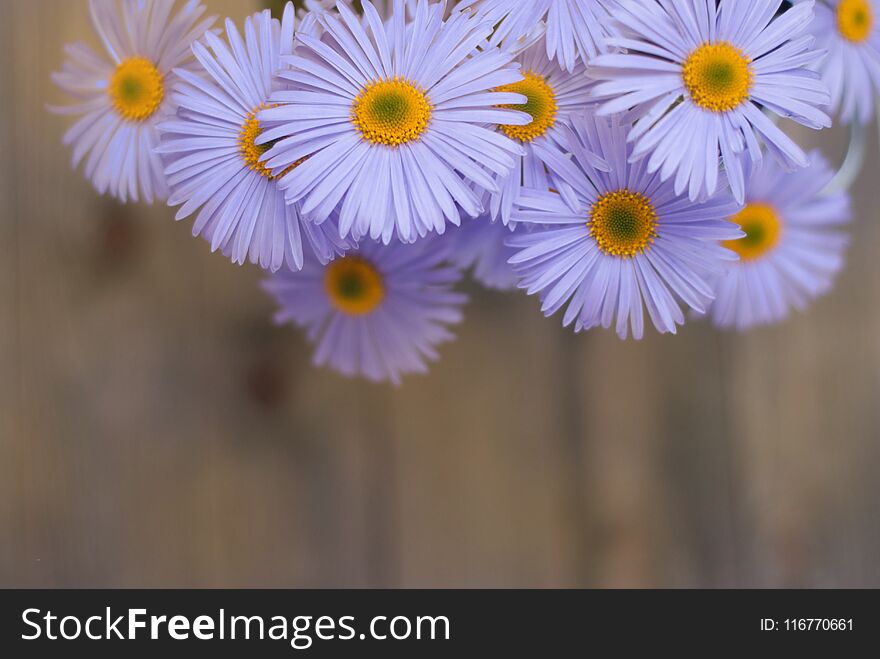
<point>157,430</point>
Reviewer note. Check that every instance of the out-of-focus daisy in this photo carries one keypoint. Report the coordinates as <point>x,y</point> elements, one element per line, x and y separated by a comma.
<point>576,29</point>
<point>630,240</point>
<point>121,95</point>
<point>695,75</point>
<point>213,162</point>
<point>792,249</point>
<point>379,312</point>
<point>396,119</point>
<point>850,31</point>
<point>553,94</point>
<point>479,246</point>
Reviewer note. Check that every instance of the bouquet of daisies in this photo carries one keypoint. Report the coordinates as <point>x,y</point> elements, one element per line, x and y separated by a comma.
<point>623,160</point>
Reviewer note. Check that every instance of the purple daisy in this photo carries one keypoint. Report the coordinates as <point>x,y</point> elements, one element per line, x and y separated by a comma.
<point>697,76</point>
<point>396,120</point>
<point>792,248</point>
<point>122,94</point>
<point>378,312</point>
<point>552,94</point>
<point>576,29</point>
<point>213,163</point>
<point>850,33</point>
<point>479,245</point>
<point>628,241</point>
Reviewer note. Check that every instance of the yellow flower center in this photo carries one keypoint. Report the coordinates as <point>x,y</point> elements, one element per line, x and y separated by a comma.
<point>855,19</point>
<point>762,227</point>
<point>391,112</point>
<point>136,89</point>
<point>251,152</point>
<point>718,76</point>
<point>354,285</point>
<point>623,223</point>
<point>541,105</point>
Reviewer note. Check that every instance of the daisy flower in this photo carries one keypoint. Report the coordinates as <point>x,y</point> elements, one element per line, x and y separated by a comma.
<point>552,94</point>
<point>849,31</point>
<point>122,94</point>
<point>630,240</point>
<point>396,120</point>
<point>379,312</point>
<point>576,29</point>
<point>213,163</point>
<point>697,75</point>
<point>792,248</point>
<point>479,245</point>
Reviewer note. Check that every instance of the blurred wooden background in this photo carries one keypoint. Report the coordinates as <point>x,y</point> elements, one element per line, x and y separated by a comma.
<point>157,430</point>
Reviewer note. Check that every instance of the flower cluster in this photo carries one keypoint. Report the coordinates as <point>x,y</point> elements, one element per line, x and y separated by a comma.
<point>623,160</point>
